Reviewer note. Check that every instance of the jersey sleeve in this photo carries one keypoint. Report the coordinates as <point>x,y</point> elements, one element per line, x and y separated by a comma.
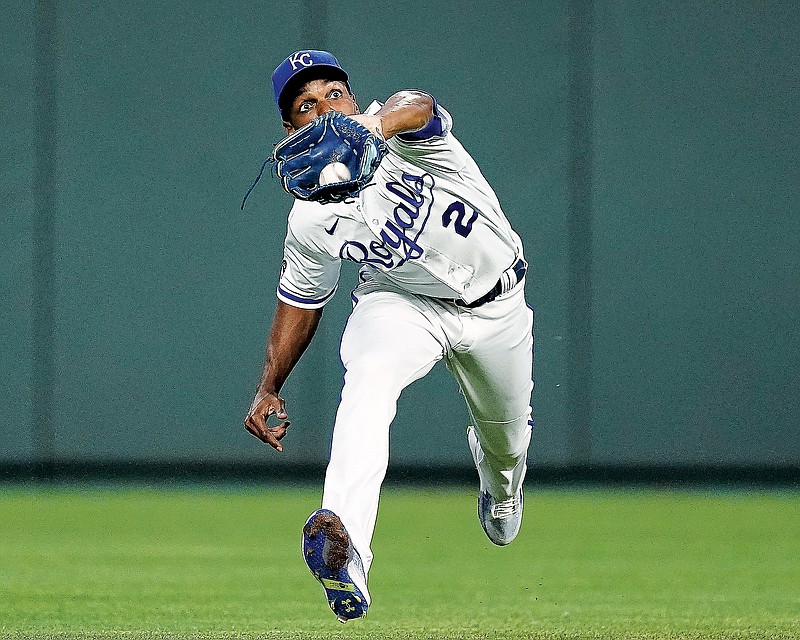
<point>438,127</point>
<point>309,276</point>
<point>432,148</point>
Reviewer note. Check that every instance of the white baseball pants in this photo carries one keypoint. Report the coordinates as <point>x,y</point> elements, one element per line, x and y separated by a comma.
<point>393,338</point>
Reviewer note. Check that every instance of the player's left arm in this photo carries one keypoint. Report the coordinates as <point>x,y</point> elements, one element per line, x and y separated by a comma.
<point>404,112</point>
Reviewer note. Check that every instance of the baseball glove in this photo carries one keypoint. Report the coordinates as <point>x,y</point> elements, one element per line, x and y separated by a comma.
<point>330,139</point>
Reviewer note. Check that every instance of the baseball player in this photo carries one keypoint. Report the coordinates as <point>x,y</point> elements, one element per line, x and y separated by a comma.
<point>442,278</point>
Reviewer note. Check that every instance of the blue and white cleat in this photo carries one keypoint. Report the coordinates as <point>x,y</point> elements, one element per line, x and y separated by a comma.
<point>334,561</point>
<point>500,520</point>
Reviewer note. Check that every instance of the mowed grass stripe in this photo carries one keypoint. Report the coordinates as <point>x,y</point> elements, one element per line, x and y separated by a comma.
<point>204,563</point>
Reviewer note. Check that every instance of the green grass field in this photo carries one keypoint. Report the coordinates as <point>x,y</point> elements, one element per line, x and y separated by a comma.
<point>211,563</point>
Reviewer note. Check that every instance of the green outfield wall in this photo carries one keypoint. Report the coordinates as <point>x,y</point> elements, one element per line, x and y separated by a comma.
<point>647,152</point>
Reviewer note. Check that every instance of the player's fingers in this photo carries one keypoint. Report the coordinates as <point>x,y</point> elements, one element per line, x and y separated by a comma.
<point>256,423</point>
<point>266,435</point>
<point>254,429</point>
<point>256,419</point>
<point>272,441</point>
<point>280,430</point>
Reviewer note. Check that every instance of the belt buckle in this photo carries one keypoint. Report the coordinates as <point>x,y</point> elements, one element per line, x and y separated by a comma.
<point>518,269</point>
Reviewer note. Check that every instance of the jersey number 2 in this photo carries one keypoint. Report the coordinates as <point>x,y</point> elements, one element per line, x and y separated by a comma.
<point>462,227</point>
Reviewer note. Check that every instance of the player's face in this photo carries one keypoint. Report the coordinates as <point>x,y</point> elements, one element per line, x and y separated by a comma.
<point>315,99</point>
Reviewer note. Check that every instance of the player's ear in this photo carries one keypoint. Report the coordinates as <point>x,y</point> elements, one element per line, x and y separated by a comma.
<point>355,103</point>
<point>288,126</point>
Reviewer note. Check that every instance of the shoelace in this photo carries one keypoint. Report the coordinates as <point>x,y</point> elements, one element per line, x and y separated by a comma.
<point>505,509</point>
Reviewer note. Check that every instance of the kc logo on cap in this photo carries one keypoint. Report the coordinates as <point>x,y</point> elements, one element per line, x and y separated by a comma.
<point>300,59</point>
<point>297,63</point>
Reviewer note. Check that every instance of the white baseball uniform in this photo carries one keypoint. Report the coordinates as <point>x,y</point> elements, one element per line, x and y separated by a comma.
<point>429,231</point>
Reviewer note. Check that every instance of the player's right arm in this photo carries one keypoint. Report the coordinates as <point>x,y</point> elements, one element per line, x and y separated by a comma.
<point>403,112</point>
<point>309,277</point>
<point>291,332</point>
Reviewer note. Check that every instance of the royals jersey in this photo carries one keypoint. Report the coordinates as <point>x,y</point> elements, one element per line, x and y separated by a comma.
<point>428,223</point>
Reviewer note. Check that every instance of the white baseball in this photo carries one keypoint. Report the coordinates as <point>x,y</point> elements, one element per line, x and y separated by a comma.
<point>334,172</point>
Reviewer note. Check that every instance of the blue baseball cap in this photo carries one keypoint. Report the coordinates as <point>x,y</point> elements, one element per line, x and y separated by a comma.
<point>302,62</point>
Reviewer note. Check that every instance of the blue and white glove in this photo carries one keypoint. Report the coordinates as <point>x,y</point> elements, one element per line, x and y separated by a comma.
<point>331,159</point>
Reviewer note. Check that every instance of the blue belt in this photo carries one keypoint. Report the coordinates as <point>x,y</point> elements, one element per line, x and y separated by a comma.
<point>515,275</point>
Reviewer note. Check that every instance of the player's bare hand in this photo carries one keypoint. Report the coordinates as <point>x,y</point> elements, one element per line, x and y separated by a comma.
<point>373,123</point>
<point>267,404</point>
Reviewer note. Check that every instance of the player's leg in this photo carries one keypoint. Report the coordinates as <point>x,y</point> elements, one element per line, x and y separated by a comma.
<point>493,367</point>
<point>390,341</point>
